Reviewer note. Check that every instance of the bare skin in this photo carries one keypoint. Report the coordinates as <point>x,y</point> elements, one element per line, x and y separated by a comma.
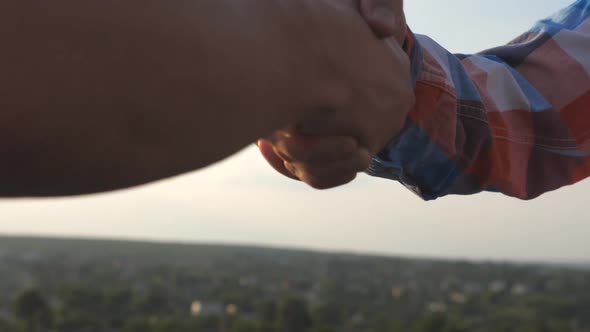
<point>323,156</point>
<point>98,95</point>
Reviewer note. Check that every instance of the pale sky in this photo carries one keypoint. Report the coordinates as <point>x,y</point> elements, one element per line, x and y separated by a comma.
<point>243,201</point>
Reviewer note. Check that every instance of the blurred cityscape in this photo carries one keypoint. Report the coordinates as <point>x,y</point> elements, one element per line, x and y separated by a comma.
<point>90,285</point>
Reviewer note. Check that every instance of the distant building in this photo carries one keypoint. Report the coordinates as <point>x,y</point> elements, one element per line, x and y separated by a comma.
<point>203,309</point>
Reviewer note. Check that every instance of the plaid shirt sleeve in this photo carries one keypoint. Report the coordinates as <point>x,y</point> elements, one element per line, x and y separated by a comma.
<point>514,119</point>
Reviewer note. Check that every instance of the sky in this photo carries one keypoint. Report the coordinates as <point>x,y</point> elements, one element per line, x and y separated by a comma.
<point>242,201</point>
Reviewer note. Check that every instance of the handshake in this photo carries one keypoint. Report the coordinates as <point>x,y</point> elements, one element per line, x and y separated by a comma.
<point>331,145</point>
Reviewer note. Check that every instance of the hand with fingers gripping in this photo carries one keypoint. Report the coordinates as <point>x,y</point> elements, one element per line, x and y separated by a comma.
<point>327,152</point>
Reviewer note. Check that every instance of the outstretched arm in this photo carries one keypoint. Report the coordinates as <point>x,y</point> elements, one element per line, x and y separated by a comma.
<point>102,94</point>
<point>514,119</point>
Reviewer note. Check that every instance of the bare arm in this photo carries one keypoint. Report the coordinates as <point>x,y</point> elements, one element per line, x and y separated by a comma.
<point>98,95</point>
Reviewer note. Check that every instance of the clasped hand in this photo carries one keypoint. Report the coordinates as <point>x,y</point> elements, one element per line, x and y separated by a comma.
<point>324,150</point>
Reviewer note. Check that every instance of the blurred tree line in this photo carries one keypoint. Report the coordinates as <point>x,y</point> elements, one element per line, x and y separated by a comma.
<point>97,286</point>
<point>83,309</point>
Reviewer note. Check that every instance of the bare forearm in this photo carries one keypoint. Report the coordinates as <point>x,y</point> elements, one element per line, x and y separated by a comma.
<point>98,95</point>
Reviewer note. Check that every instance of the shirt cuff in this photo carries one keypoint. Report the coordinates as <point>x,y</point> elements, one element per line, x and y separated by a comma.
<point>404,159</point>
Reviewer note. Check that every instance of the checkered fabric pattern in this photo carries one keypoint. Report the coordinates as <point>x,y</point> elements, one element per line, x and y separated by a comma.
<point>513,119</point>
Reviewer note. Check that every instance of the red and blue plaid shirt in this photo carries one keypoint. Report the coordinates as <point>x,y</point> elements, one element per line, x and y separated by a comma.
<point>514,119</point>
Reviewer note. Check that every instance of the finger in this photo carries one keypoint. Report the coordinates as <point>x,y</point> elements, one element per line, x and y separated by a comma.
<point>385,17</point>
<point>323,179</point>
<point>327,176</point>
<point>267,150</point>
<point>315,149</point>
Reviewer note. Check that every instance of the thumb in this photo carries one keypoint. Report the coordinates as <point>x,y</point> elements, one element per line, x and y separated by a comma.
<point>385,17</point>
